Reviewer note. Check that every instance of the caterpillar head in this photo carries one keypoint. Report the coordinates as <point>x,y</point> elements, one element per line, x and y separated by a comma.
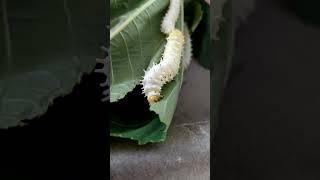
<point>153,97</point>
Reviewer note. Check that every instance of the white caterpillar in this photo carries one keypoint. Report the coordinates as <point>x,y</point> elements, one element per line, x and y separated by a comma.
<point>166,70</point>
<point>171,17</point>
<point>105,71</point>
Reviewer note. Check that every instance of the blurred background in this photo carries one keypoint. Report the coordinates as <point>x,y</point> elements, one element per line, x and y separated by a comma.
<point>269,116</point>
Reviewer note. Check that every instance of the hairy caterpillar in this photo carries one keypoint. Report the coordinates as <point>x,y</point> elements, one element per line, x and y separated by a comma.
<point>105,71</point>
<point>171,17</point>
<point>167,69</point>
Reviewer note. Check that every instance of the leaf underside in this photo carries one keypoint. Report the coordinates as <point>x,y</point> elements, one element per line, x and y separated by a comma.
<point>45,49</point>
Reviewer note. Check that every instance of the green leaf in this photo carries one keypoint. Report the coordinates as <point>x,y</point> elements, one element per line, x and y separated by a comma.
<point>45,48</point>
<point>201,37</point>
<point>193,14</point>
<point>135,37</point>
<point>156,129</point>
<point>166,107</point>
<point>137,42</point>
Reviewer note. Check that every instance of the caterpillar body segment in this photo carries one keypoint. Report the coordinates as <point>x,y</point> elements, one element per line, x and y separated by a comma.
<point>171,17</point>
<point>167,69</point>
